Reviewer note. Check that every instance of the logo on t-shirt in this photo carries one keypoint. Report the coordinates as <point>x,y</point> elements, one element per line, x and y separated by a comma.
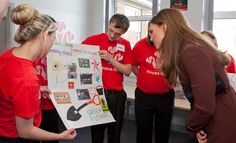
<point>118,57</point>
<point>111,49</point>
<point>152,60</point>
<point>41,69</point>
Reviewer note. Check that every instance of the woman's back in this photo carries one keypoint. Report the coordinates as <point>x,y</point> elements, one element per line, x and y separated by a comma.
<point>213,112</point>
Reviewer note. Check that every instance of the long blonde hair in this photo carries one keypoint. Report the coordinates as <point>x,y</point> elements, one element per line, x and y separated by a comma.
<point>31,23</point>
<point>178,31</point>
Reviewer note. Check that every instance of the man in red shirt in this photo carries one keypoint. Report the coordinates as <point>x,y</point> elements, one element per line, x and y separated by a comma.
<point>115,53</point>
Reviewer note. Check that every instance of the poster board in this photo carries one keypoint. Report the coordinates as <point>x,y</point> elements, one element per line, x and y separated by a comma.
<point>75,80</point>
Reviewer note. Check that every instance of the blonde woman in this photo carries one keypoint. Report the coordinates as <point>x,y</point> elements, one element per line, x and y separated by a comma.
<point>200,68</point>
<point>20,113</point>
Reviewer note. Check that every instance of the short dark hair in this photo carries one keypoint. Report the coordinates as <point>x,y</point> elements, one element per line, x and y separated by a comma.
<point>209,33</point>
<point>121,21</point>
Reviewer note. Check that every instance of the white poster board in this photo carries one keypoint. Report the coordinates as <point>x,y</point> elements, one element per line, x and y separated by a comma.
<point>75,80</point>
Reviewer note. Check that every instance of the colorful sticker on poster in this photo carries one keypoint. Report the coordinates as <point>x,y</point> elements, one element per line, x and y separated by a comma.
<point>179,4</point>
<point>74,78</point>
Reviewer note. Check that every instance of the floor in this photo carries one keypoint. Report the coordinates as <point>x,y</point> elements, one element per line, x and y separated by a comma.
<point>128,135</point>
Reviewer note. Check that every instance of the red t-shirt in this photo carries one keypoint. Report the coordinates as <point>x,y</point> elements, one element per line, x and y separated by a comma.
<point>120,49</point>
<point>146,58</point>
<point>19,93</point>
<point>41,69</point>
<point>231,67</point>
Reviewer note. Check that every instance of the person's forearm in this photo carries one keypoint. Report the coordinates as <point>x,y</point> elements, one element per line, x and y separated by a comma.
<point>27,130</point>
<point>38,134</point>
<point>135,70</point>
<point>124,69</point>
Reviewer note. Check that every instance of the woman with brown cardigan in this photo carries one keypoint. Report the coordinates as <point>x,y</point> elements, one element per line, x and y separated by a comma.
<point>200,68</point>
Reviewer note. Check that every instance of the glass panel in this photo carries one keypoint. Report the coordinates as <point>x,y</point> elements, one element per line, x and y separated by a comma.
<point>225,31</point>
<point>224,5</point>
<point>136,31</point>
<point>133,7</point>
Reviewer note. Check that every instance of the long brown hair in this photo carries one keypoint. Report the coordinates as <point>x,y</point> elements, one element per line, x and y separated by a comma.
<point>177,32</point>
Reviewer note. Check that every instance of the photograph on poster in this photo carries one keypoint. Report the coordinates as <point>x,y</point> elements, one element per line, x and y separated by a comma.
<point>62,97</point>
<point>86,78</point>
<point>83,94</point>
<point>72,74</point>
<point>84,63</point>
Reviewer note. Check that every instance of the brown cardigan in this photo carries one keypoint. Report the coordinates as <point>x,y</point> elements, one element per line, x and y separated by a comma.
<point>215,114</point>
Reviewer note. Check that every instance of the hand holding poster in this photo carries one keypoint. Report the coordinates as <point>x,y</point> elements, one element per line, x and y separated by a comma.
<point>74,78</point>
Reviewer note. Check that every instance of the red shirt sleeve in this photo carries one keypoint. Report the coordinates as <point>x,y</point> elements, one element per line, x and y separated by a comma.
<point>231,67</point>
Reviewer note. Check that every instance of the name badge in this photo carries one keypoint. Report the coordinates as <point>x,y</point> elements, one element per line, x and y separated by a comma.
<point>120,47</point>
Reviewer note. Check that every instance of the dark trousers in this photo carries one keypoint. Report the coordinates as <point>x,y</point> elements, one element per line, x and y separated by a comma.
<point>14,140</point>
<point>157,107</point>
<point>116,103</point>
<point>50,121</point>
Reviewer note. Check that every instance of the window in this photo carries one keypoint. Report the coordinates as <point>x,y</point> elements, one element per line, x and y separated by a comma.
<point>225,30</point>
<point>225,5</point>
<point>129,7</point>
<point>224,25</point>
<point>137,31</point>
<point>139,13</point>
<point>131,11</point>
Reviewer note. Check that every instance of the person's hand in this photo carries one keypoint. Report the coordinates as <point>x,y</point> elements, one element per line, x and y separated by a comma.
<point>68,134</point>
<point>45,92</point>
<point>105,55</point>
<point>201,137</point>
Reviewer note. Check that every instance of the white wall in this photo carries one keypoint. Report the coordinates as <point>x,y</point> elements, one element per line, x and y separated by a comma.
<point>90,13</point>
<point>194,14</point>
